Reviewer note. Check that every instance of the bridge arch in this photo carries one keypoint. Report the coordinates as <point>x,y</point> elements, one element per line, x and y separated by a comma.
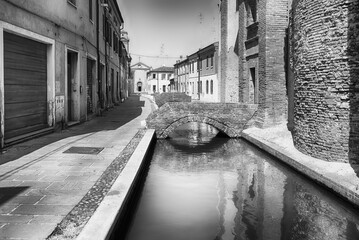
<point>228,118</point>
<point>222,127</point>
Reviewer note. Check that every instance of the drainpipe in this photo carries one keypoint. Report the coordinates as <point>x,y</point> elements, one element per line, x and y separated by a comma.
<point>120,63</point>
<point>106,62</point>
<point>199,76</point>
<point>98,53</point>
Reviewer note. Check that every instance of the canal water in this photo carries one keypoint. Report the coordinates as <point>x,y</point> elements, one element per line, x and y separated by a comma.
<point>202,187</point>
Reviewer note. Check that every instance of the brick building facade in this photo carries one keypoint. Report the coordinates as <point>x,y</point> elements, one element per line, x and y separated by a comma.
<point>325,63</point>
<point>261,47</point>
<point>229,59</point>
<point>253,56</point>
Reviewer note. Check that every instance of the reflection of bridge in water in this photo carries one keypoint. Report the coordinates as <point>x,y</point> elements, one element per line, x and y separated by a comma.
<point>229,118</point>
<point>259,198</point>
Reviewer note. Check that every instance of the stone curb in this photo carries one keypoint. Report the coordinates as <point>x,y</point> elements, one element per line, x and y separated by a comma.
<point>336,185</point>
<point>102,222</point>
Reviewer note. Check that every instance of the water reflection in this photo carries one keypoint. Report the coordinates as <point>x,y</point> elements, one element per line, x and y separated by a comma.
<point>230,190</point>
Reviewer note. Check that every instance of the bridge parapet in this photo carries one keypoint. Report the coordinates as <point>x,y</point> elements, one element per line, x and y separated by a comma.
<point>229,118</point>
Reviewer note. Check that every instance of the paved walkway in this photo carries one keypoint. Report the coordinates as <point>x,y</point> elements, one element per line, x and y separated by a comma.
<point>40,184</point>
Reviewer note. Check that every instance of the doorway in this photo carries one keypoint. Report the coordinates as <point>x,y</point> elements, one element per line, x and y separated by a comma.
<point>72,86</point>
<point>112,86</point>
<point>100,92</point>
<point>90,79</point>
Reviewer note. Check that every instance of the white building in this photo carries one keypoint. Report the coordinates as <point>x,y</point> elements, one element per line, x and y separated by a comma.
<point>197,75</point>
<point>139,74</point>
<point>159,79</point>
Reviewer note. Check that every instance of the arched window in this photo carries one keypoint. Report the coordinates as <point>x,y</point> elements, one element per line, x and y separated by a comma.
<point>207,86</point>
<point>211,86</point>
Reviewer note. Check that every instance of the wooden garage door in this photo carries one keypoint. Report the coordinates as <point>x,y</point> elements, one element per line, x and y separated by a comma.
<point>25,85</point>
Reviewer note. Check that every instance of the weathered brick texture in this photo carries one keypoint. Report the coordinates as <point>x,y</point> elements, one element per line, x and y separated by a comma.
<point>230,118</point>
<point>229,84</point>
<point>273,22</point>
<point>262,50</point>
<point>163,98</point>
<point>325,60</point>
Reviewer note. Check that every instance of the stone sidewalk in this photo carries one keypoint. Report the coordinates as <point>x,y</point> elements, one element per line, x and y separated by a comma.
<point>40,183</point>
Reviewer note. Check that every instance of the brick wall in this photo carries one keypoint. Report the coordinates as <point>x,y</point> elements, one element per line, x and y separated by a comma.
<point>229,83</point>
<point>261,47</point>
<point>325,46</point>
<point>230,118</point>
<point>243,82</point>
<point>273,22</point>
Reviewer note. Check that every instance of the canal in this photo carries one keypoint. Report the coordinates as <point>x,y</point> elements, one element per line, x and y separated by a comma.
<point>204,187</point>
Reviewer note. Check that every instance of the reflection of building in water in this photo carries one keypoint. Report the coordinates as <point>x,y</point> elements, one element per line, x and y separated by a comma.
<point>274,204</point>
<point>308,216</point>
<point>259,198</point>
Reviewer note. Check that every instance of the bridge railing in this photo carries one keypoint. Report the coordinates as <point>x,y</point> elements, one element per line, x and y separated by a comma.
<point>163,98</point>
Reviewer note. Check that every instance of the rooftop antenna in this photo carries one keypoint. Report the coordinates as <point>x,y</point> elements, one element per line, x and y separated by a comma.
<point>201,17</point>
<point>162,50</point>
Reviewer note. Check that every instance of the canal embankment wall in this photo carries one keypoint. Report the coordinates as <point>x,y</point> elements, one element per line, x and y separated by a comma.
<point>341,178</point>
<point>103,222</point>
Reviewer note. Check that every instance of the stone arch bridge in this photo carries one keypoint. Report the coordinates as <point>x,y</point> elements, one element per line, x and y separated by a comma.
<point>229,118</point>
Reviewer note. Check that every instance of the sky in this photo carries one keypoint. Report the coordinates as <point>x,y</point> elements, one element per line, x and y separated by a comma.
<point>163,30</point>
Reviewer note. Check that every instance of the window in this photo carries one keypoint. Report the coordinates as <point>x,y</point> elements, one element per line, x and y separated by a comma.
<point>163,76</point>
<point>207,62</point>
<point>212,61</point>
<point>154,75</point>
<point>154,88</point>
<point>104,25</point>
<point>72,2</point>
<point>107,30</point>
<point>253,88</point>
<point>207,87</point>
<point>251,8</point>
<point>164,88</point>
<point>90,10</point>
<point>109,34</point>
<point>211,86</point>
<point>115,43</point>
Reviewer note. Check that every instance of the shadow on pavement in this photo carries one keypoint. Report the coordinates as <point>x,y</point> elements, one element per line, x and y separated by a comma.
<point>110,120</point>
<point>8,193</point>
